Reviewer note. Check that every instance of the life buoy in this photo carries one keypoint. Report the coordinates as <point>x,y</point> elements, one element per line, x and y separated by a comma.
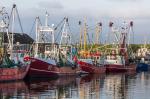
<point>26,58</point>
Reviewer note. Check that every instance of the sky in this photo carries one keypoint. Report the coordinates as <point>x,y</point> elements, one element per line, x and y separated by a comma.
<point>95,11</point>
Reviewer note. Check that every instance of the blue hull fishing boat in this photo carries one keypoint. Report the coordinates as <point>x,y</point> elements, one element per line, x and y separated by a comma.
<point>142,67</point>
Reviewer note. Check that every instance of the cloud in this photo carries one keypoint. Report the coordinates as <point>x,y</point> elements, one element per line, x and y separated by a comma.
<point>50,5</point>
<point>94,10</point>
<point>109,8</point>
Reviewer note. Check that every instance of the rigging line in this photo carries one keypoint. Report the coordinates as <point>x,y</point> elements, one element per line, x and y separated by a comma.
<point>89,38</point>
<point>59,33</point>
<point>19,20</point>
<point>10,17</point>
<point>59,24</point>
<point>100,35</point>
<point>133,34</point>
<point>46,37</point>
<point>69,27</point>
<point>64,56</point>
<point>5,16</point>
<point>32,27</point>
<point>40,21</point>
<point>91,29</point>
<point>70,31</point>
<point>93,26</point>
<point>31,48</point>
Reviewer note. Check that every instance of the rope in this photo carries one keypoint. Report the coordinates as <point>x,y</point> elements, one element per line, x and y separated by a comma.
<point>59,33</point>
<point>73,39</point>
<point>32,27</point>
<point>19,20</point>
<point>59,24</point>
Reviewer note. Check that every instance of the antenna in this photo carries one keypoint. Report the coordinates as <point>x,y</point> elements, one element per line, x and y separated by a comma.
<point>46,19</point>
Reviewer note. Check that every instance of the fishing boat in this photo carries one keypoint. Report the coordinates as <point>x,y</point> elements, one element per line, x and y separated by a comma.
<point>143,57</point>
<point>113,65</point>
<point>88,61</point>
<point>118,59</point>
<point>9,68</point>
<point>88,66</point>
<point>50,59</point>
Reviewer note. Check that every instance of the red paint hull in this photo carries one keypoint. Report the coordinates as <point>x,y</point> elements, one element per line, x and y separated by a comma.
<point>39,68</point>
<point>9,74</point>
<point>120,68</point>
<point>86,67</point>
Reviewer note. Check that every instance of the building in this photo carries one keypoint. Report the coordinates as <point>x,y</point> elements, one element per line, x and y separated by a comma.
<point>21,41</point>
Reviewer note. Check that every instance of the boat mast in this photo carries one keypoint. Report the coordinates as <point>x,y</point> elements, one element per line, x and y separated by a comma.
<point>46,19</point>
<point>12,32</point>
<point>3,27</point>
<point>115,37</point>
<point>65,36</point>
<point>110,32</point>
<point>124,41</point>
<point>48,29</point>
<point>14,12</point>
<point>42,35</point>
<point>124,37</point>
<point>37,37</point>
<point>98,30</point>
<point>80,43</point>
<point>85,34</point>
<point>131,30</point>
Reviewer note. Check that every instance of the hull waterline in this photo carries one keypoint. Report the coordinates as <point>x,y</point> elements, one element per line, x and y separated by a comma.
<point>89,68</point>
<point>41,68</point>
<point>113,68</point>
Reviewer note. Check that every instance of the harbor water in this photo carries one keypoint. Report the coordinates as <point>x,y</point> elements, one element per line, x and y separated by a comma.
<point>110,86</point>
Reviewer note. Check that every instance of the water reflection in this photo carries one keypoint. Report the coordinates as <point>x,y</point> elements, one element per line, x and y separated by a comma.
<point>112,86</point>
<point>115,86</point>
<point>10,89</point>
<point>90,86</point>
<point>56,89</point>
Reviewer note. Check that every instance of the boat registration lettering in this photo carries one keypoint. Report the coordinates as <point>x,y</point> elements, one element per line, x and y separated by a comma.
<point>50,67</point>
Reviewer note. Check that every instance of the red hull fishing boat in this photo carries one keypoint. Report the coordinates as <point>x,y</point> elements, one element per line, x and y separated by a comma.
<point>117,61</point>
<point>50,59</point>
<point>121,68</point>
<point>91,68</point>
<point>41,68</point>
<point>9,68</point>
<point>88,61</point>
<point>16,73</point>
